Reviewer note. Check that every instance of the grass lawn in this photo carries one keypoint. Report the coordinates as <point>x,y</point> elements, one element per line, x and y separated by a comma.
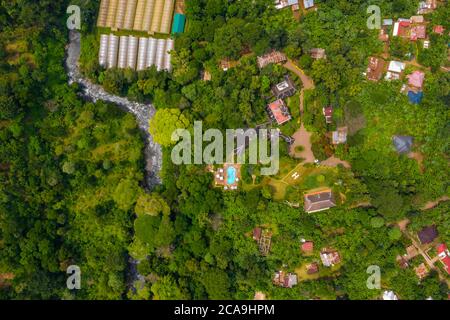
<point>309,178</point>
<point>292,126</point>
<point>279,189</point>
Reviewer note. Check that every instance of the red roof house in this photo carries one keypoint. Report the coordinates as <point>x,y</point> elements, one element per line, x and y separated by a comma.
<point>439,29</point>
<point>328,114</point>
<point>402,29</point>
<point>279,112</point>
<point>444,255</point>
<point>257,234</point>
<point>308,247</point>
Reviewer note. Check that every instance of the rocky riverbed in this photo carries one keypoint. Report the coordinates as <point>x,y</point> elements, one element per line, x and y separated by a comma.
<point>142,112</point>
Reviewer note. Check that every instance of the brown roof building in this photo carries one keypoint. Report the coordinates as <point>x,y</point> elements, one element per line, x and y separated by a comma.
<point>384,36</point>
<point>312,268</point>
<point>319,201</point>
<point>375,69</point>
<point>318,53</point>
<point>402,262</point>
<point>259,296</point>
<point>206,75</point>
<point>257,234</point>
<point>417,19</point>
<point>285,280</point>
<point>421,271</point>
<point>226,64</point>
<point>428,235</point>
<point>273,57</point>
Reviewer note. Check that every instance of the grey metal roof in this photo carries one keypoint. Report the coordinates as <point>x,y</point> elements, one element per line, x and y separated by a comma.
<point>403,144</point>
<point>428,234</point>
<point>319,201</point>
<point>308,3</point>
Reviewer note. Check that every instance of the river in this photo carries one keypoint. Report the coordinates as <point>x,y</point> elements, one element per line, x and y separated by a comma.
<point>142,112</point>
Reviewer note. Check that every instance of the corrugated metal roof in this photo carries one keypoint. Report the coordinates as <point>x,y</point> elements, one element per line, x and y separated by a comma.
<point>403,144</point>
<point>178,23</point>
<point>308,3</point>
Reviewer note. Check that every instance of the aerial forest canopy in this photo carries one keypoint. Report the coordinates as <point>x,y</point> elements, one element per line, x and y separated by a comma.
<point>73,192</point>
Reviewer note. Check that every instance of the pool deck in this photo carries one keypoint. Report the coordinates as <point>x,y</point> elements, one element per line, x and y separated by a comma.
<point>221,176</point>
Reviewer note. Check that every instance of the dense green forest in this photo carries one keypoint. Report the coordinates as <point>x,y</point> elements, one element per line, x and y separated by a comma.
<point>64,165</point>
<point>71,172</point>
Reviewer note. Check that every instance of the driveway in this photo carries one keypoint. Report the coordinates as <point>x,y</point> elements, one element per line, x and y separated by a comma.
<point>308,83</point>
<point>302,136</point>
<point>334,162</point>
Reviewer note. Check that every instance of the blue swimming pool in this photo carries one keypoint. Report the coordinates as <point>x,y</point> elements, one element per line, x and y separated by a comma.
<point>231,175</point>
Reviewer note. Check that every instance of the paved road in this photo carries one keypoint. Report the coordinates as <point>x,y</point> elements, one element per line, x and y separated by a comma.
<point>142,112</point>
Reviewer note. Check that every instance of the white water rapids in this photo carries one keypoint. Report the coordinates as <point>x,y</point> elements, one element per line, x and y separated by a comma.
<point>142,112</point>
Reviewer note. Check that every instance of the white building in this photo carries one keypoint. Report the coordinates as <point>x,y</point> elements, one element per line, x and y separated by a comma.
<point>389,295</point>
